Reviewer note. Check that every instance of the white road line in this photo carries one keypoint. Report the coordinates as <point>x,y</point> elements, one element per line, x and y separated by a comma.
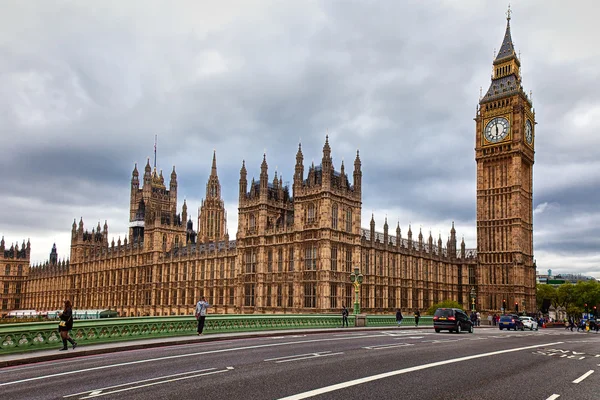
<point>554,396</point>
<point>312,356</point>
<point>227,350</point>
<point>98,394</point>
<point>582,377</point>
<point>387,346</point>
<point>296,355</point>
<point>145,380</point>
<point>344,385</point>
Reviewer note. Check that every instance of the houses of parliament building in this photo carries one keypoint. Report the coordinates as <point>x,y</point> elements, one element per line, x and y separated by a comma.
<point>296,246</point>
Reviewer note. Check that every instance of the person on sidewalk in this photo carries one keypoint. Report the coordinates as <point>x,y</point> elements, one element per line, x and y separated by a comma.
<point>66,324</point>
<point>344,316</point>
<point>201,307</point>
<point>417,316</point>
<point>399,317</point>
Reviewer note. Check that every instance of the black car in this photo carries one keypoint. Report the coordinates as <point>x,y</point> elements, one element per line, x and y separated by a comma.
<point>452,319</point>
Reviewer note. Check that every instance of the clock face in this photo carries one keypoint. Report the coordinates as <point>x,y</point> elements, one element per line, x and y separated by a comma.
<point>496,129</point>
<point>528,132</point>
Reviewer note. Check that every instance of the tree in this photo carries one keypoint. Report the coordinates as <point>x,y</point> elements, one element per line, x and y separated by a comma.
<point>545,292</point>
<point>444,304</point>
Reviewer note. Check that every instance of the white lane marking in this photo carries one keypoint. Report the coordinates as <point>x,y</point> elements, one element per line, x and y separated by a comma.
<point>145,380</point>
<point>554,396</point>
<point>582,377</point>
<point>306,358</point>
<point>90,396</point>
<point>227,350</point>
<point>295,355</point>
<point>387,346</point>
<point>412,337</point>
<point>344,385</point>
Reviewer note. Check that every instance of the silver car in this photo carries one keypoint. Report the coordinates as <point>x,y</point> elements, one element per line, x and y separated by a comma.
<point>530,323</point>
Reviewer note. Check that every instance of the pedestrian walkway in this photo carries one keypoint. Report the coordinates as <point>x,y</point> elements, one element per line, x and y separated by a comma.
<point>93,349</point>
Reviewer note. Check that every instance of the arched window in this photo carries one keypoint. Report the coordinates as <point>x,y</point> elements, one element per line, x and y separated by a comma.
<point>164,242</point>
<point>311,213</point>
<point>20,270</point>
<point>334,216</point>
<point>176,241</point>
<point>251,222</point>
<point>7,270</point>
<point>348,220</point>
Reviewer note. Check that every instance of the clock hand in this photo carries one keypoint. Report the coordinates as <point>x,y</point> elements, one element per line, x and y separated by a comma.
<point>496,130</point>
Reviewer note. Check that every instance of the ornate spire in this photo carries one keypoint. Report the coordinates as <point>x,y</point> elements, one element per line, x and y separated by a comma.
<point>213,171</point>
<point>507,48</point>
<point>135,172</point>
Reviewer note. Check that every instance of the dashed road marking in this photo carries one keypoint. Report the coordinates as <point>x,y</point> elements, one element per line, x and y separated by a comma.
<point>582,377</point>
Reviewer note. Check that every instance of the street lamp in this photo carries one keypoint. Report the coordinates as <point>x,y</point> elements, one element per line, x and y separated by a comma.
<point>357,279</point>
<point>473,298</point>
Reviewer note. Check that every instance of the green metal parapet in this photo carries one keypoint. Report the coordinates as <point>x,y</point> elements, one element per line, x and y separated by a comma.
<point>44,335</point>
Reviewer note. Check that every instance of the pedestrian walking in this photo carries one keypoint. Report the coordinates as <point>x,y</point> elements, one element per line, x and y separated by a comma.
<point>344,316</point>
<point>201,307</point>
<point>66,324</point>
<point>417,316</point>
<point>399,317</point>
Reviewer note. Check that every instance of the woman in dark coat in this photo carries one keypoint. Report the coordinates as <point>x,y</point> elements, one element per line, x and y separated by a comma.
<point>66,324</point>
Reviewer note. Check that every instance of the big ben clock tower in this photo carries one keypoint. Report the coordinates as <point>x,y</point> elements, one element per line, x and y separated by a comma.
<point>504,152</point>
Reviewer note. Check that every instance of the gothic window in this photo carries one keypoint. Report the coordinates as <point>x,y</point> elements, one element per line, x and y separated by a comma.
<point>280,260</point>
<point>231,296</point>
<point>164,244</point>
<point>348,294</point>
<point>348,220</point>
<point>334,252</point>
<point>6,287</point>
<point>349,259</point>
<point>251,222</point>
<point>211,222</point>
<point>270,261</point>
<point>176,242</point>
<point>20,270</point>
<point>7,270</point>
<point>367,263</point>
<point>279,295</point>
<point>334,216</point>
<point>291,295</point>
<point>250,262</point>
<point>333,295</point>
<point>310,295</point>
<point>311,213</point>
<point>222,271</point>
<point>310,258</point>
<point>232,267</point>
<point>291,259</point>
<point>249,295</point>
<point>269,295</point>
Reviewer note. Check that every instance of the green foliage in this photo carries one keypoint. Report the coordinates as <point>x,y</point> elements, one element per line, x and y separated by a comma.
<point>443,304</point>
<point>572,297</point>
<point>545,292</point>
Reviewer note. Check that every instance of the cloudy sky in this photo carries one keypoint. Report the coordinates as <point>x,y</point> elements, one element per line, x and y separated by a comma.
<point>85,86</point>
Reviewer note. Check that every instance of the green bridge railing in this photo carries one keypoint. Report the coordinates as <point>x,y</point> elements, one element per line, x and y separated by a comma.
<point>44,335</point>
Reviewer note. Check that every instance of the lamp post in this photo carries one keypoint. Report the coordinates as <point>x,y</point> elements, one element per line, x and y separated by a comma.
<point>357,279</point>
<point>473,299</point>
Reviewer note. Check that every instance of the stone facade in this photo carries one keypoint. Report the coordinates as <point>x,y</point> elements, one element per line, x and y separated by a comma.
<point>14,269</point>
<point>296,247</point>
<point>504,147</point>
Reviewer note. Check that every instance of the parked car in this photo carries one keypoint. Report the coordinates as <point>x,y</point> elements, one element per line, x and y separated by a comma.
<point>452,319</point>
<point>529,323</point>
<point>510,321</point>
